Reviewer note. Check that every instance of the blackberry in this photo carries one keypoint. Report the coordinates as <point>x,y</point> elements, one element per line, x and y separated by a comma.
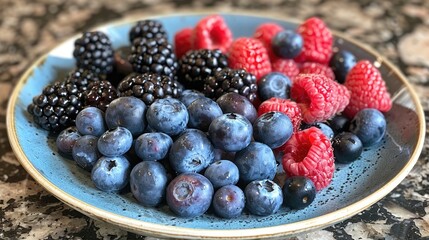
<point>153,55</point>
<point>149,87</point>
<point>83,77</point>
<point>56,108</point>
<point>99,94</point>
<point>196,65</point>
<point>94,51</point>
<point>231,80</point>
<point>147,29</point>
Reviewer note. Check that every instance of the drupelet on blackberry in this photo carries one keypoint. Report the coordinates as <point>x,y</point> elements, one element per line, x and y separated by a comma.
<point>100,94</point>
<point>149,87</point>
<point>153,55</point>
<point>231,80</point>
<point>94,51</point>
<point>147,29</point>
<point>196,65</point>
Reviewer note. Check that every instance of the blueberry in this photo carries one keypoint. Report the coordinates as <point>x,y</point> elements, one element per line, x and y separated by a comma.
<point>235,103</point>
<point>339,123</point>
<point>115,142</point>
<point>326,129</point>
<point>190,95</point>
<point>222,173</point>
<point>202,112</point>
<point>85,152</point>
<point>221,154</point>
<point>191,152</point>
<point>66,140</point>
<point>128,112</point>
<point>263,197</point>
<point>148,181</point>
<point>152,146</point>
<point>272,129</point>
<point>167,115</point>
<point>298,192</point>
<point>369,125</point>
<point>341,63</point>
<point>230,132</point>
<point>229,201</point>
<point>111,174</point>
<point>274,85</point>
<point>287,44</point>
<point>347,147</point>
<point>256,162</point>
<point>189,195</point>
<point>90,121</point>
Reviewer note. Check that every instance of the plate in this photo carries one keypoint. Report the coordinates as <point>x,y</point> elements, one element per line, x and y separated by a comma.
<point>355,186</point>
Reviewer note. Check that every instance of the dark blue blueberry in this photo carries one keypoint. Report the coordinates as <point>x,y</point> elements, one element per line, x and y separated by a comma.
<point>347,147</point>
<point>148,181</point>
<point>128,112</point>
<point>272,129</point>
<point>287,44</point>
<point>167,115</point>
<point>235,103</point>
<point>339,123</point>
<point>230,132</point>
<point>190,95</point>
<point>90,121</point>
<point>115,142</point>
<point>263,197</point>
<point>369,125</point>
<point>256,162</point>
<point>202,112</point>
<point>152,146</point>
<point>85,152</point>
<point>326,129</point>
<point>111,174</point>
<point>221,154</point>
<point>66,140</point>
<point>274,85</point>
<point>341,63</point>
<point>298,192</point>
<point>191,152</point>
<point>222,173</point>
<point>189,195</point>
<point>229,201</point>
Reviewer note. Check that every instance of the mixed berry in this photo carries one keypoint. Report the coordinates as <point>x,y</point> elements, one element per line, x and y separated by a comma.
<point>198,123</point>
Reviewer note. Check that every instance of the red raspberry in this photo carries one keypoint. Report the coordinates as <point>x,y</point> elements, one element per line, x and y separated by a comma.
<point>317,68</point>
<point>318,97</point>
<point>286,66</point>
<point>309,153</point>
<point>183,42</point>
<point>250,55</point>
<point>368,89</point>
<point>285,106</point>
<point>265,33</point>
<point>317,41</point>
<point>212,32</point>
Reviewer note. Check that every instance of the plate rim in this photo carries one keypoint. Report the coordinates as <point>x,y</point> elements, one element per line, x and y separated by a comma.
<point>154,229</point>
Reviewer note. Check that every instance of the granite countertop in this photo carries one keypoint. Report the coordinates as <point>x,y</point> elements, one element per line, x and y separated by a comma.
<point>398,29</point>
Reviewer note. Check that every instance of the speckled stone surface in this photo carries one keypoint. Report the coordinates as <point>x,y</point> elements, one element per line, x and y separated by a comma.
<point>398,29</point>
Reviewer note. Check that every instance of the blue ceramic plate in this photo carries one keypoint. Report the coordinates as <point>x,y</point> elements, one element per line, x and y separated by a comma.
<point>354,187</point>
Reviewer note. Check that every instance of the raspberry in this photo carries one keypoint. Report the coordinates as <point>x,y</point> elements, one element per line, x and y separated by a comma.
<point>368,90</point>
<point>265,33</point>
<point>317,68</point>
<point>309,153</point>
<point>251,55</point>
<point>286,66</point>
<point>317,41</point>
<point>183,42</point>
<point>318,97</point>
<point>285,106</point>
<point>212,33</point>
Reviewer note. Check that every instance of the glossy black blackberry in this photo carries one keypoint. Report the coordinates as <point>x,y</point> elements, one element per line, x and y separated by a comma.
<point>94,51</point>
<point>154,55</point>
<point>56,108</point>
<point>149,87</point>
<point>196,65</point>
<point>231,80</point>
<point>99,94</point>
<point>83,77</point>
<point>147,29</point>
